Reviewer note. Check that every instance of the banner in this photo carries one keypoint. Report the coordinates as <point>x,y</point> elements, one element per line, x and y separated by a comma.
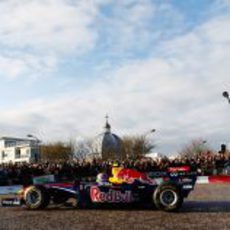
<point>213,179</point>
<point>219,179</point>
<point>10,190</point>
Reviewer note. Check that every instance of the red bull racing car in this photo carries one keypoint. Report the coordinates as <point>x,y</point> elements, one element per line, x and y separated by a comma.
<point>165,191</point>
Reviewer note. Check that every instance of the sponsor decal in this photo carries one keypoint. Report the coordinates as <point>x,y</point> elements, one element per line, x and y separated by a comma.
<point>175,174</point>
<point>44,179</point>
<point>179,169</point>
<point>186,180</point>
<point>130,175</point>
<point>187,186</point>
<point>112,196</point>
<point>10,202</point>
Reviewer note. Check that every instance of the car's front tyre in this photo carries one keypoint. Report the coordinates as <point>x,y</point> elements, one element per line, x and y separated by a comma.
<point>168,197</point>
<point>36,197</point>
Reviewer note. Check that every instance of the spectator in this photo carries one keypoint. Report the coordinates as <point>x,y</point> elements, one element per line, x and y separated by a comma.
<point>207,163</point>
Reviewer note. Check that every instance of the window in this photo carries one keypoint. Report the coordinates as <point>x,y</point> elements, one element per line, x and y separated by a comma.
<point>10,143</point>
<point>4,155</point>
<point>17,153</point>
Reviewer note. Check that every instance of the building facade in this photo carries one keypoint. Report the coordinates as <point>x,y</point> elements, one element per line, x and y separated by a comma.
<point>107,145</point>
<point>111,144</point>
<point>19,150</point>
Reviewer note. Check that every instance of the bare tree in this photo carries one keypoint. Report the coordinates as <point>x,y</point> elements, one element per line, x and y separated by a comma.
<point>194,148</point>
<point>134,147</point>
<point>57,151</point>
<point>85,149</point>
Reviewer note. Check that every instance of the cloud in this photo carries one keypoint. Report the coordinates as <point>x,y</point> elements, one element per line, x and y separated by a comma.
<point>18,64</point>
<point>60,29</point>
<point>47,25</point>
<point>177,91</point>
<point>6,65</point>
<point>43,31</point>
<point>132,27</point>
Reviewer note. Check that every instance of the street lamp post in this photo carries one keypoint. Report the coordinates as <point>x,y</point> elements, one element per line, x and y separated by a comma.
<point>226,95</point>
<point>144,137</point>
<point>203,143</point>
<point>201,146</point>
<point>37,156</point>
<point>32,136</point>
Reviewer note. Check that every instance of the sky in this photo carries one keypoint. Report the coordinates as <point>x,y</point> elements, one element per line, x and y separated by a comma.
<point>148,64</point>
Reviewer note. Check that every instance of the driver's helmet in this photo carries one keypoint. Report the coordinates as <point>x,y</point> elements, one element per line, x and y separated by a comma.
<point>102,178</point>
<point>116,164</point>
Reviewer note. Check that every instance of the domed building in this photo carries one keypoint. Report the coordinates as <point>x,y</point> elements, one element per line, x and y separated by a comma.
<point>108,144</point>
<point>111,144</point>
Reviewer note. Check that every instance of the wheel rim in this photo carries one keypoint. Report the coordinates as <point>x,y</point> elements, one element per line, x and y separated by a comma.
<point>168,197</point>
<point>33,197</point>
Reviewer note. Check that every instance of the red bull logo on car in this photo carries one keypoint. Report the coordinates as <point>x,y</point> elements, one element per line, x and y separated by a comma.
<point>112,196</point>
<point>123,175</point>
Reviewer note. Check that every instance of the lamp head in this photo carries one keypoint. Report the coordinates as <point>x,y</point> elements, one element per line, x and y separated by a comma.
<point>225,94</point>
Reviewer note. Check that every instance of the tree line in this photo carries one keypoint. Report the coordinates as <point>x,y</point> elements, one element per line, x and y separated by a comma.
<point>132,147</point>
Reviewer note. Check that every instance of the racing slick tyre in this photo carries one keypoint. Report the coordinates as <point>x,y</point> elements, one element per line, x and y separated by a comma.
<point>168,197</point>
<point>36,197</point>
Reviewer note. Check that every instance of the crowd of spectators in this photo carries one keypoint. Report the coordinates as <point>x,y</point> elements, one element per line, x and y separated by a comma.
<point>205,163</point>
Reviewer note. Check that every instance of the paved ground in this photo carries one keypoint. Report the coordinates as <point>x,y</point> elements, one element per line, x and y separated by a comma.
<point>207,208</point>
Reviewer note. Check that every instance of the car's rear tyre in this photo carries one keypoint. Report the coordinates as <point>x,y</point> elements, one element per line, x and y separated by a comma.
<point>168,197</point>
<point>36,197</point>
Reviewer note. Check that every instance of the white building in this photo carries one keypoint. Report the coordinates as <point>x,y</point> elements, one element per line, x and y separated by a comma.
<point>154,155</point>
<point>18,150</point>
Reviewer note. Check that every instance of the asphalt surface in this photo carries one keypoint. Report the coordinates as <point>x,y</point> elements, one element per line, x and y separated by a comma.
<point>208,207</point>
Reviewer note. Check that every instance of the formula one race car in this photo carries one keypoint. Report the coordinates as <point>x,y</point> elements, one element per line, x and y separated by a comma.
<point>131,187</point>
